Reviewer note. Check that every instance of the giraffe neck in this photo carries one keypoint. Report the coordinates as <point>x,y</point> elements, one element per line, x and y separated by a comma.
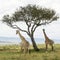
<point>46,38</point>
<point>21,37</point>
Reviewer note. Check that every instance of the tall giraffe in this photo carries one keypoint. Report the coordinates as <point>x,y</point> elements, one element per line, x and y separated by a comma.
<point>24,43</point>
<point>47,40</point>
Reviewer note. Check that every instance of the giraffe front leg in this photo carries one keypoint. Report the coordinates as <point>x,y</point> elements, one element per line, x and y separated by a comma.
<point>46,46</point>
<point>27,50</point>
<point>24,50</point>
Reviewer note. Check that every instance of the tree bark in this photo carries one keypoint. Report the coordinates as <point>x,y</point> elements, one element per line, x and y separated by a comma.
<point>34,44</point>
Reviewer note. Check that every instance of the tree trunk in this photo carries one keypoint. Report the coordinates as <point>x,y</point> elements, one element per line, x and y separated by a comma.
<point>34,44</point>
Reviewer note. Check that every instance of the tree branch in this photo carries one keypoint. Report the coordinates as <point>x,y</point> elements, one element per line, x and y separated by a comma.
<point>35,28</point>
<point>16,27</point>
<point>28,25</point>
<point>32,27</point>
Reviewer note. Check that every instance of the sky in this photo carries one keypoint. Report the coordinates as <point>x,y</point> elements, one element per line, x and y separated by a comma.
<point>9,6</point>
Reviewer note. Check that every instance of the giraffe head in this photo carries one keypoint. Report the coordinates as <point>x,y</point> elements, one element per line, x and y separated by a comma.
<point>17,31</point>
<point>43,29</point>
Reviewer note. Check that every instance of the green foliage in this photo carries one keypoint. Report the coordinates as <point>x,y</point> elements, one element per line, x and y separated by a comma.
<point>31,13</point>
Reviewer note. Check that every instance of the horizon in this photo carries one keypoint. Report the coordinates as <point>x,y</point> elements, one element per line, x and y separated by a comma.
<point>16,40</point>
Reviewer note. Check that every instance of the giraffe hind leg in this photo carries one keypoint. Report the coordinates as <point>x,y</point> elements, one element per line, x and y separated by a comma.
<point>22,49</point>
<point>52,47</point>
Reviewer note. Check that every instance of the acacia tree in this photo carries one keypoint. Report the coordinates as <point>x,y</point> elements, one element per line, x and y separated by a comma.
<point>34,16</point>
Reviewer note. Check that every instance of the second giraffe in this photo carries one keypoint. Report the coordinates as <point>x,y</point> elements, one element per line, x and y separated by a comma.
<point>48,41</point>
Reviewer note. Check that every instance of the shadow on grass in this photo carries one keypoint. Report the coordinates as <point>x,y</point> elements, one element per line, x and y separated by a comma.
<point>42,50</point>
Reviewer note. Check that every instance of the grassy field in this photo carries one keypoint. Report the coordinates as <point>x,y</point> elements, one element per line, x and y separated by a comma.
<point>13,53</point>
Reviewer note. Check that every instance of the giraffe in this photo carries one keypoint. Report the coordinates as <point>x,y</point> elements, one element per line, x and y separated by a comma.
<point>24,43</point>
<point>48,41</point>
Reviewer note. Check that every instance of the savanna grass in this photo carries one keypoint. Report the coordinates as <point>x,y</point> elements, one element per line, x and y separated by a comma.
<point>12,52</point>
